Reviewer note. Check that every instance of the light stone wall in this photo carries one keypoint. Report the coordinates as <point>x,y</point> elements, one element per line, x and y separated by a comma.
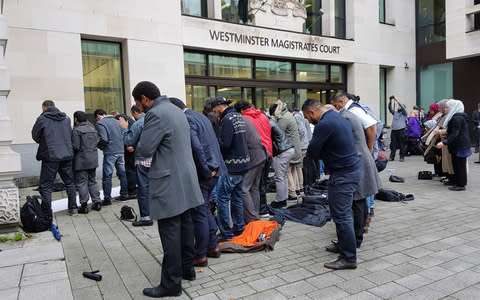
<point>460,42</point>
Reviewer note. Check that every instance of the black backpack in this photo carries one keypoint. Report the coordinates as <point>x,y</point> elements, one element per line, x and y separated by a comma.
<point>127,213</point>
<point>35,216</point>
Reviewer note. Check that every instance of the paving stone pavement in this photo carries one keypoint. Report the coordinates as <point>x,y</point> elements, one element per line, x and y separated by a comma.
<point>428,248</point>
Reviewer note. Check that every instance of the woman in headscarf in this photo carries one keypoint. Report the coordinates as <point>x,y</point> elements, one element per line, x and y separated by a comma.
<point>434,109</point>
<point>458,142</point>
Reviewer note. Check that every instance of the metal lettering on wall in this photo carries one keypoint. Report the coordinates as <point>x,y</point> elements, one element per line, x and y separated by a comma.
<point>253,40</point>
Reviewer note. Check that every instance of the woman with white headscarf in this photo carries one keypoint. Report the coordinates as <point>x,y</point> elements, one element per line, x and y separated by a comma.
<point>458,142</point>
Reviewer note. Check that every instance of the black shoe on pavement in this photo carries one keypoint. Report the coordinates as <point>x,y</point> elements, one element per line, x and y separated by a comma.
<point>333,248</point>
<point>83,209</point>
<point>106,202</point>
<point>71,211</point>
<point>142,223</point>
<point>97,206</point>
<point>189,275</point>
<point>457,188</point>
<point>131,196</point>
<point>121,198</point>
<point>340,264</point>
<point>159,292</point>
<point>279,204</point>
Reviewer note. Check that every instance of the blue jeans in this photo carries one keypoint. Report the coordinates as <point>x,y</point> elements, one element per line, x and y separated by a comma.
<point>109,162</point>
<point>143,190</point>
<point>341,187</point>
<point>370,202</point>
<point>229,191</point>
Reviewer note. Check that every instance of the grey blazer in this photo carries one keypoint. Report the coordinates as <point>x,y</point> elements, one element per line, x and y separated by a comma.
<point>370,181</point>
<point>174,186</point>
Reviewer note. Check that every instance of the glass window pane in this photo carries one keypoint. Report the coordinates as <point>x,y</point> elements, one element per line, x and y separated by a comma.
<point>266,97</point>
<point>248,94</point>
<point>231,67</point>
<point>340,18</point>
<point>430,22</point>
<point>311,73</point>
<point>235,11</point>
<point>436,83</point>
<point>313,22</point>
<point>381,4</point>
<point>305,94</point>
<point>273,70</point>
<point>195,64</point>
<point>193,7</point>
<point>383,94</point>
<point>336,74</point>
<point>233,93</point>
<point>287,96</point>
<point>102,76</point>
<point>196,95</point>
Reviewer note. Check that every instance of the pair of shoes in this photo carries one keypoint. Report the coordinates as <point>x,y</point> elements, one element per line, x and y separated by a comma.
<point>278,204</point>
<point>159,292</point>
<point>290,198</point>
<point>333,248</point>
<point>372,212</point>
<point>214,253</point>
<point>189,275</point>
<point>340,264</point>
<point>83,209</point>
<point>200,262</point>
<point>402,160</point>
<point>97,206</point>
<point>106,202</point>
<point>121,198</point>
<point>142,223</point>
<point>457,188</point>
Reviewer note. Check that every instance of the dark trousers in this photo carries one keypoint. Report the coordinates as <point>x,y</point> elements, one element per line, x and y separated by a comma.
<point>311,171</point>
<point>251,194</point>
<point>460,170</point>
<point>398,141</point>
<point>143,192</point>
<point>360,215</point>
<point>47,177</point>
<point>341,187</point>
<point>176,234</point>
<point>205,225</point>
<point>263,187</point>
<point>477,138</point>
<point>131,172</point>
<point>86,183</point>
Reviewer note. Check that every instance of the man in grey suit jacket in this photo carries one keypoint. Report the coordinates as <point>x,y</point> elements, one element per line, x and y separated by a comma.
<point>174,187</point>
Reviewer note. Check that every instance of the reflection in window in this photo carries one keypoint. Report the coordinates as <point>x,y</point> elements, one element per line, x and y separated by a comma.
<point>102,76</point>
<point>273,70</point>
<point>311,73</point>
<point>235,11</point>
<point>340,23</point>
<point>195,64</point>
<point>233,93</point>
<point>383,94</point>
<point>313,23</point>
<point>430,22</point>
<point>436,83</point>
<point>194,7</point>
<point>336,74</point>
<point>196,95</point>
<point>232,67</point>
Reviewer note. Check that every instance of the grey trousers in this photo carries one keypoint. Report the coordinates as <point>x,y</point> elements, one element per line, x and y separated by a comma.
<point>87,184</point>
<point>251,193</point>
<point>280,165</point>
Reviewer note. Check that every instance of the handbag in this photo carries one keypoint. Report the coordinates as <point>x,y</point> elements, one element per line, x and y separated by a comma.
<point>425,175</point>
<point>127,213</point>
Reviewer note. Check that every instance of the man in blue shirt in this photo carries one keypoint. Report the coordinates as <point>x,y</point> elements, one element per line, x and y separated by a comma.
<point>333,143</point>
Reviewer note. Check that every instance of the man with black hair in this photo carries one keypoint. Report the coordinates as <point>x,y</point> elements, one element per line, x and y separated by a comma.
<point>129,155</point>
<point>111,143</point>
<point>53,133</point>
<point>174,187</point>
<point>131,136</point>
<point>85,161</point>
<point>209,163</point>
<point>333,142</point>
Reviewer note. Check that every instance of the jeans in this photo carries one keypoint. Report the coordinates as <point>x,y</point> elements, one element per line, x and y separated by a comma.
<point>229,191</point>
<point>47,177</point>
<point>143,196</point>
<point>341,187</point>
<point>398,141</point>
<point>370,202</point>
<point>280,165</point>
<point>263,187</point>
<point>204,222</point>
<point>251,193</point>
<point>311,171</point>
<point>131,172</point>
<point>322,168</point>
<point>109,162</point>
<point>86,183</point>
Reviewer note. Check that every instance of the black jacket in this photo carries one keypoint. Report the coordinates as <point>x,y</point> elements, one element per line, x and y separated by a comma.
<point>279,140</point>
<point>84,142</point>
<point>53,133</point>
<point>206,151</point>
<point>458,138</point>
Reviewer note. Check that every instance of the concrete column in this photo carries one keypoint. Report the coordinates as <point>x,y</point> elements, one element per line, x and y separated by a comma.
<point>10,164</point>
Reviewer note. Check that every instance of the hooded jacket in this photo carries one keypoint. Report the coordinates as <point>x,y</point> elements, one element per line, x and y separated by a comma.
<point>262,124</point>
<point>53,133</point>
<point>111,137</point>
<point>279,141</point>
<point>84,142</point>
<point>286,121</point>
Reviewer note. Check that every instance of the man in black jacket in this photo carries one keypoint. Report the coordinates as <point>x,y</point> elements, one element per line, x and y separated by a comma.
<point>53,133</point>
<point>85,161</point>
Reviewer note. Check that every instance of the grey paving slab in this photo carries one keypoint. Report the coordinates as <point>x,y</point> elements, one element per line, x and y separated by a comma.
<point>331,292</point>
<point>9,294</point>
<point>388,290</point>
<point>58,289</point>
<point>10,277</point>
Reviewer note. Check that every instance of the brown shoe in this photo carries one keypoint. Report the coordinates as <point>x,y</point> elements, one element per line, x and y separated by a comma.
<point>200,262</point>
<point>333,248</point>
<point>214,253</point>
<point>340,264</point>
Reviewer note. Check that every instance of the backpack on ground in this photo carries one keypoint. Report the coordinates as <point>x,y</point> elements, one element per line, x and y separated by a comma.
<point>127,213</point>
<point>35,216</point>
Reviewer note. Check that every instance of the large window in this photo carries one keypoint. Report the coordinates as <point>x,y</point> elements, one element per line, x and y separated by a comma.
<point>336,74</point>
<point>430,22</point>
<point>273,70</point>
<point>231,67</point>
<point>383,94</point>
<point>195,64</point>
<point>235,11</point>
<point>340,17</point>
<point>102,76</point>
<point>194,8</point>
<point>313,23</point>
<point>312,72</point>
<point>436,83</point>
